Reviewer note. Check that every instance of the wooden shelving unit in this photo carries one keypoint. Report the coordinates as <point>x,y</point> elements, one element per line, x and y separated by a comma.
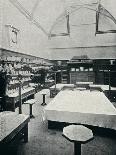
<point>99,71</point>
<point>81,71</point>
<point>15,64</point>
<point>105,72</point>
<point>12,96</point>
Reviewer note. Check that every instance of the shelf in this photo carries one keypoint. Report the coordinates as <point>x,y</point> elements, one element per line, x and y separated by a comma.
<point>23,75</point>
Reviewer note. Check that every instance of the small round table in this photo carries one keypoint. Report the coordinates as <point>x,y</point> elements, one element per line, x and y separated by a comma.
<point>79,135</point>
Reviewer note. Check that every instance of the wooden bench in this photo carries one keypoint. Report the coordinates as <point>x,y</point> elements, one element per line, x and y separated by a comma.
<point>30,102</point>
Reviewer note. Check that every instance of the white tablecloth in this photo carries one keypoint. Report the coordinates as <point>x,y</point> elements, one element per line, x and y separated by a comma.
<point>84,107</point>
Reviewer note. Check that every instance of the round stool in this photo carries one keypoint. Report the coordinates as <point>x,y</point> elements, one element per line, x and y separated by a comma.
<point>79,135</point>
<point>31,102</point>
<point>44,93</point>
<point>44,100</point>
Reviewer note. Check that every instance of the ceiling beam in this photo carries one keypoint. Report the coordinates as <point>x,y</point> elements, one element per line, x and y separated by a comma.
<point>35,7</point>
<point>23,11</point>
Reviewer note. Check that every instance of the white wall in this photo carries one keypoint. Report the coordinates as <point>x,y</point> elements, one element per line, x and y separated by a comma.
<point>108,52</point>
<point>31,39</point>
<point>1,20</point>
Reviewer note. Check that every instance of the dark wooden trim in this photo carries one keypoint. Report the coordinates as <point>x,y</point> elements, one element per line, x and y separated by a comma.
<point>96,130</point>
<point>10,137</point>
<point>22,54</point>
<point>99,46</point>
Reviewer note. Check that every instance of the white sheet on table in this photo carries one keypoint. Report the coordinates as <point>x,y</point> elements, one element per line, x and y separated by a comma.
<point>84,107</point>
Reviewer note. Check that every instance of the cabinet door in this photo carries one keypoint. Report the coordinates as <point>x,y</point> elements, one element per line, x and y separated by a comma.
<point>99,78</point>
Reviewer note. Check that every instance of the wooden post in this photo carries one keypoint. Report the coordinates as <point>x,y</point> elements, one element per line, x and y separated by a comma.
<point>44,99</point>
<point>31,115</point>
<point>70,78</point>
<point>55,82</point>
<point>109,85</point>
<point>77,148</point>
<point>20,98</point>
<point>61,76</point>
<point>26,133</point>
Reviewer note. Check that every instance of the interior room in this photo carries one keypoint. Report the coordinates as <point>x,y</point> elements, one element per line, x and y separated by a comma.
<point>57,77</point>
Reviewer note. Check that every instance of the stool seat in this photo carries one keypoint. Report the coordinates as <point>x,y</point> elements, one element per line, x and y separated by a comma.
<point>44,92</point>
<point>31,101</point>
<point>79,135</point>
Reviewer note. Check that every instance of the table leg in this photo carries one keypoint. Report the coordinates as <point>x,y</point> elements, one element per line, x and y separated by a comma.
<point>44,102</point>
<point>77,148</point>
<point>31,114</point>
<point>13,106</point>
<point>32,96</point>
<point>43,98</point>
<point>50,94</point>
<point>26,133</point>
<point>6,149</point>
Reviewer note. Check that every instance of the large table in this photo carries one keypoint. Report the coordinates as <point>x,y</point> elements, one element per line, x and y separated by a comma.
<point>110,92</point>
<point>12,124</point>
<point>82,107</point>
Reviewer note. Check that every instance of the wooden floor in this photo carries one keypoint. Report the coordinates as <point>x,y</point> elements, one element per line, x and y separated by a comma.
<point>43,141</point>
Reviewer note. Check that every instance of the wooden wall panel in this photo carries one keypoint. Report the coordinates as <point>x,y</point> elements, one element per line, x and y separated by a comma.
<point>82,77</point>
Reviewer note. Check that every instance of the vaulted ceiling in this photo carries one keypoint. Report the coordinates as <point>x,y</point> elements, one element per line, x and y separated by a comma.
<point>64,17</point>
<point>64,27</point>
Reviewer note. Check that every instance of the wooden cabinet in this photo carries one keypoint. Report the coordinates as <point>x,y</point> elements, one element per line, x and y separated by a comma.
<point>82,76</point>
<point>81,71</point>
<point>64,76</point>
<point>105,72</point>
<point>97,71</point>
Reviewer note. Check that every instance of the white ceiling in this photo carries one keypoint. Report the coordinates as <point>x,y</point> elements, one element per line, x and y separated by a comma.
<point>50,13</point>
<point>50,17</point>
